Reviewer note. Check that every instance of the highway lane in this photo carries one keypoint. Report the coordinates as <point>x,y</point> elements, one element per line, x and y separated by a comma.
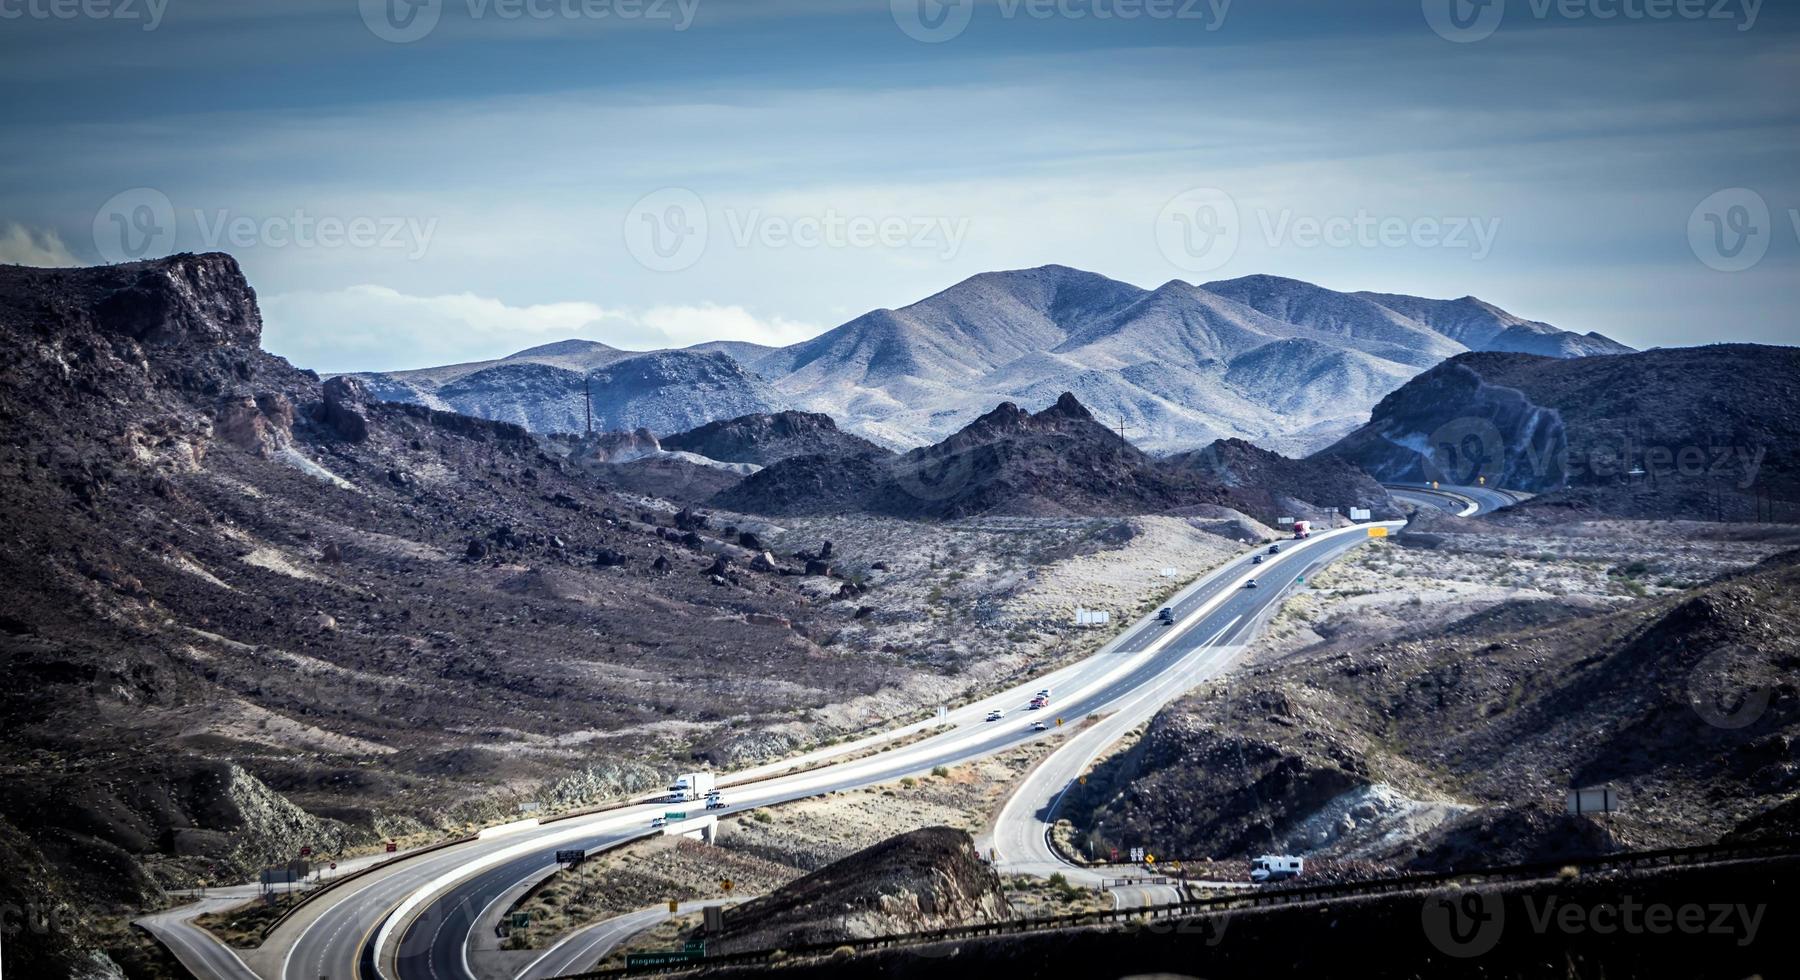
<point>437,944</point>
<point>1146,653</point>
<point>1475,499</point>
<point>198,950</point>
<point>582,949</point>
<point>1019,837</point>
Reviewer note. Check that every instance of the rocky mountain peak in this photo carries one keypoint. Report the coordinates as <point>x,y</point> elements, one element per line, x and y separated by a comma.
<point>184,299</point>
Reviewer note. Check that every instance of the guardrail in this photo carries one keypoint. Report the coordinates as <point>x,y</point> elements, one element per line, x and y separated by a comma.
<point>1258,898</point>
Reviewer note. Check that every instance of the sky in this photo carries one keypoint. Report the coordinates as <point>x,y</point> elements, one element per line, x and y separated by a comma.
<point>418,182</point>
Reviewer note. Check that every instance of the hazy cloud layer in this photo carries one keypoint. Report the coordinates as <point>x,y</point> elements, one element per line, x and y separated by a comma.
<point>385,197</point>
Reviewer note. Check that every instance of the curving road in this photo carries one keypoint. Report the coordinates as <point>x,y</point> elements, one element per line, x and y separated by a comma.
<point>1206,648</point>
<point>440,897</point>
<point>1019,838</point>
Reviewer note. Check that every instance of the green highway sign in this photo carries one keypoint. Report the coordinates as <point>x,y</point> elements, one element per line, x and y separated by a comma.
<point>661,957</point>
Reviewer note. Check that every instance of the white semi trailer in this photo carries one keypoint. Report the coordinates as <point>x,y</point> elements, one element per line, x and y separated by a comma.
<point>691,786</point>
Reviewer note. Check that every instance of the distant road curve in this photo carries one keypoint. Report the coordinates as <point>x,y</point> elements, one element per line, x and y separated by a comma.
<point>1463,501</point>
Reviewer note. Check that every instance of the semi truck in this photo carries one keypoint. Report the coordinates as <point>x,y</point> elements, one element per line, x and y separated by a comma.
<point>1302,529</point>
<point>691,786</point>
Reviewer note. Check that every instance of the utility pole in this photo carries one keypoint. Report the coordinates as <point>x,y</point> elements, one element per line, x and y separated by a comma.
<point>587,382</point>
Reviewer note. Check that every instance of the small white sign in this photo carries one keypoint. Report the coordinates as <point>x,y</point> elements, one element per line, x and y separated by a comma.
<point>1359,513</point>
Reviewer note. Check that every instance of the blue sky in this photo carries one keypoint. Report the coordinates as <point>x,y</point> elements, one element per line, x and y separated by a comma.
<point>654,172</point>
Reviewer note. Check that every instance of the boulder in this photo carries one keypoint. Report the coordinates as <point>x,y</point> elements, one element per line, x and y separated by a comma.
<point>608,558</point>
<point>343,409</point>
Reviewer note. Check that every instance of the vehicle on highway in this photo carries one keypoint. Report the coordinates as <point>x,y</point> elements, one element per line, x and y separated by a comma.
<point>995,714</point>
<point>1276,867</point>
<point>691,786</point>
<point>1274,549</point>
<point>1045,694</point>
<point>656,822</point>
<point>1302,529</point>
<point>1166,616</point>
<point>1038,726</point>
<point>1257,560</point>
<point>1250,584</point>
<point>1036,704</point>
<point>715,802</point>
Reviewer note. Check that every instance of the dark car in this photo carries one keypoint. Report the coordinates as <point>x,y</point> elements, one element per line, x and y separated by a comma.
<point>1274,549</point>
<point>1257,560</point>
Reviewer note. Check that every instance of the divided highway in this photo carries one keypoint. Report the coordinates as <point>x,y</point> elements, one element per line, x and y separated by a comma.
<point>415,916</point>
<point>1150,663</point>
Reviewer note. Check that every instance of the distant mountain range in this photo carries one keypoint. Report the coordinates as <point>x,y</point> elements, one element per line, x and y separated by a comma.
<point>1054,463</point>
<point>1281,363</point>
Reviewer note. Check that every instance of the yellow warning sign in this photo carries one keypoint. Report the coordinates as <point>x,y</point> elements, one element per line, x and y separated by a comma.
<point>1377,531</point>
<point>674,906</point>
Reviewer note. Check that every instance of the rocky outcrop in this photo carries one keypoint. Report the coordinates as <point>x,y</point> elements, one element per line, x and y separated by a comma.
<point>342,411</point>
<point>183,299</point>
<point>1700,432</point>
<point>766,438</point>
<point>926,879</point>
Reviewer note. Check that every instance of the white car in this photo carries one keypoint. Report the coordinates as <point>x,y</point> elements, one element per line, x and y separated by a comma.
<point>995,715</point>
<point>1039,727</point>
<point>715,802</point>
<point>659,822</point>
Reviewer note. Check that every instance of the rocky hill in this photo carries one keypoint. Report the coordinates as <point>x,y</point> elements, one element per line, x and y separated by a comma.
<point>926,879</point>
<point>1283,364</point>
<point>1455,748</point>
<point>1708,432</point>
<point>248,611</point>
<point>544,389</point>
<point>764,438</point>
<point>1057,462</point>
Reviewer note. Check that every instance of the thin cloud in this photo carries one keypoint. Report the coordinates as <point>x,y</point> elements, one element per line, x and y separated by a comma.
<point>20,245</point>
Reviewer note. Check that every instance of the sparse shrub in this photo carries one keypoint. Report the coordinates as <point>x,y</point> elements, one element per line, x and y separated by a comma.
<point>908,782</point>
<point>940,772</point>
<point>843,953</point>
<point>1569,872</point>
<point>762,816</point>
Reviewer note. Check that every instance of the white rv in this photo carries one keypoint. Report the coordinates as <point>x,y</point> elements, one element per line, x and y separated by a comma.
<point>1276,867</point>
